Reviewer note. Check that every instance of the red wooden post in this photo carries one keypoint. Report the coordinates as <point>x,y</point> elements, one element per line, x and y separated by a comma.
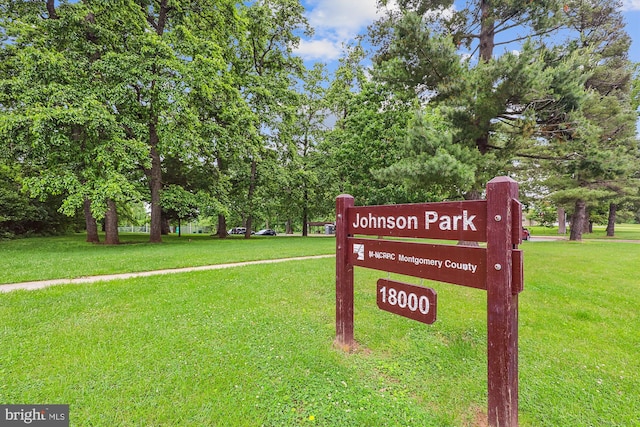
<point>502,304</point>
<point>344,276</point>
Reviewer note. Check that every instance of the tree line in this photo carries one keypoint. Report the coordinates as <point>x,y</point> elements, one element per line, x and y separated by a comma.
<point>203,109</point>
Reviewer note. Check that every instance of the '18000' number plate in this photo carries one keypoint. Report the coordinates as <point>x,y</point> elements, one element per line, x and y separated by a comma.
<point>412,301</point>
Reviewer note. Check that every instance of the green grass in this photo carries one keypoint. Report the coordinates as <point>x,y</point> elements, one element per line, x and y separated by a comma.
<point>252,346</point>
<point>580,314</point>
<point>70,256</point>
<point>622,232</point>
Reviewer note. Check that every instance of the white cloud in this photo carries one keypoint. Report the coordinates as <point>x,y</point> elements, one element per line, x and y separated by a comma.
<point>335,22</point>
<point>442,12</point>
<point>340,17</point>
<point>630,5</point>
<point>319,49</point>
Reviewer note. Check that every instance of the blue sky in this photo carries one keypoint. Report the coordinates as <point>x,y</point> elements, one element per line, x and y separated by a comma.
<point>339,21</point>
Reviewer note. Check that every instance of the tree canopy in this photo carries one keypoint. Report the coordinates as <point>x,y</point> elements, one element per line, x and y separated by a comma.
<point>202,109</point>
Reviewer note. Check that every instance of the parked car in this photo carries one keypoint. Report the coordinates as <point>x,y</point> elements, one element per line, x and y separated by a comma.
<point>525,233</point>
<point>238,230</point>
<point>266,232</point>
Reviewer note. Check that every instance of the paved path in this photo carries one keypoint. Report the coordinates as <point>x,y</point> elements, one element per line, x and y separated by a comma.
<point>92,279</point>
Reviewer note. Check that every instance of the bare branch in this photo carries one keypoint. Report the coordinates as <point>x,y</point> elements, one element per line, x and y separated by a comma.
<point>551,30</point>
<point>543,157</point>
<point>152,22</point>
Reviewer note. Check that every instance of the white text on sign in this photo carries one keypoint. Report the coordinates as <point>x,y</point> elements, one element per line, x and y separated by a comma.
<point>439,263</point>
<point>431,218</point>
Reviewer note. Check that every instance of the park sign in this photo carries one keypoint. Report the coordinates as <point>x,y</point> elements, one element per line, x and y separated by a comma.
<point>465,220</point>
<point>496,268</point>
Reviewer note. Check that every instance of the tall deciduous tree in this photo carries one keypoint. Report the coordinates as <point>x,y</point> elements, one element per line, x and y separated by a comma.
<point>54,113</point>
<point>174,59</point>
<point>160,79</point>
<point>309,126</point>
<point>368,138</point>
<point>266,68</point>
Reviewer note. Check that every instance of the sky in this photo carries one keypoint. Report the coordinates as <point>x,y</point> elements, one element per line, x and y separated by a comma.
<point>339,21</point>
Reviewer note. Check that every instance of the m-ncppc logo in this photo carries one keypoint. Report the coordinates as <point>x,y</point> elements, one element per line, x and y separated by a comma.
<point>358,248</point>
<point>34,415</point>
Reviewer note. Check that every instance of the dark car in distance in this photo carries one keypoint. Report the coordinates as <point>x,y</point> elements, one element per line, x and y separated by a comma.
<point>266,232</point>
<point>525,233</point>
<point>237,230</point>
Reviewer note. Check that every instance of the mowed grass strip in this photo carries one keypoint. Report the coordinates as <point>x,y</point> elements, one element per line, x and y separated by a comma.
<point>253,346</point>
<point>70,256</point>
<point>622,232</point>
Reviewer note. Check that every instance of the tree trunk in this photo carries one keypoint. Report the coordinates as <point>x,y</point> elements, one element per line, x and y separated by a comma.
<point>51,9</point>
<point>611,224</point>
<point>562,222</point>
<point>288,228</point>
<point>305,214</point>
<point>155,184</point>
<point>155,174</point>
<point>486,42</point>
<point>252,188</point>
<point>222,226</point>
<point>578,220</point>
<point>249,224</point>
<point>91,224</point>
<point>487,31</point>
<point>111,224</point>
<point>222,220</point>
<point>587,225</point>
<point>165,227</point>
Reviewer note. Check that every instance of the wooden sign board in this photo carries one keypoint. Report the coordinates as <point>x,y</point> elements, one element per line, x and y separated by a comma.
<point>498,269</point>
<point>460,265</point>
<point>464,220</point>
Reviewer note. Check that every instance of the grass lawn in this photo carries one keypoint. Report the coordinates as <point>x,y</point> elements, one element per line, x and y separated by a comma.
<point>622,232</point>
<point>70,256</point>
<point>252,346</point>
